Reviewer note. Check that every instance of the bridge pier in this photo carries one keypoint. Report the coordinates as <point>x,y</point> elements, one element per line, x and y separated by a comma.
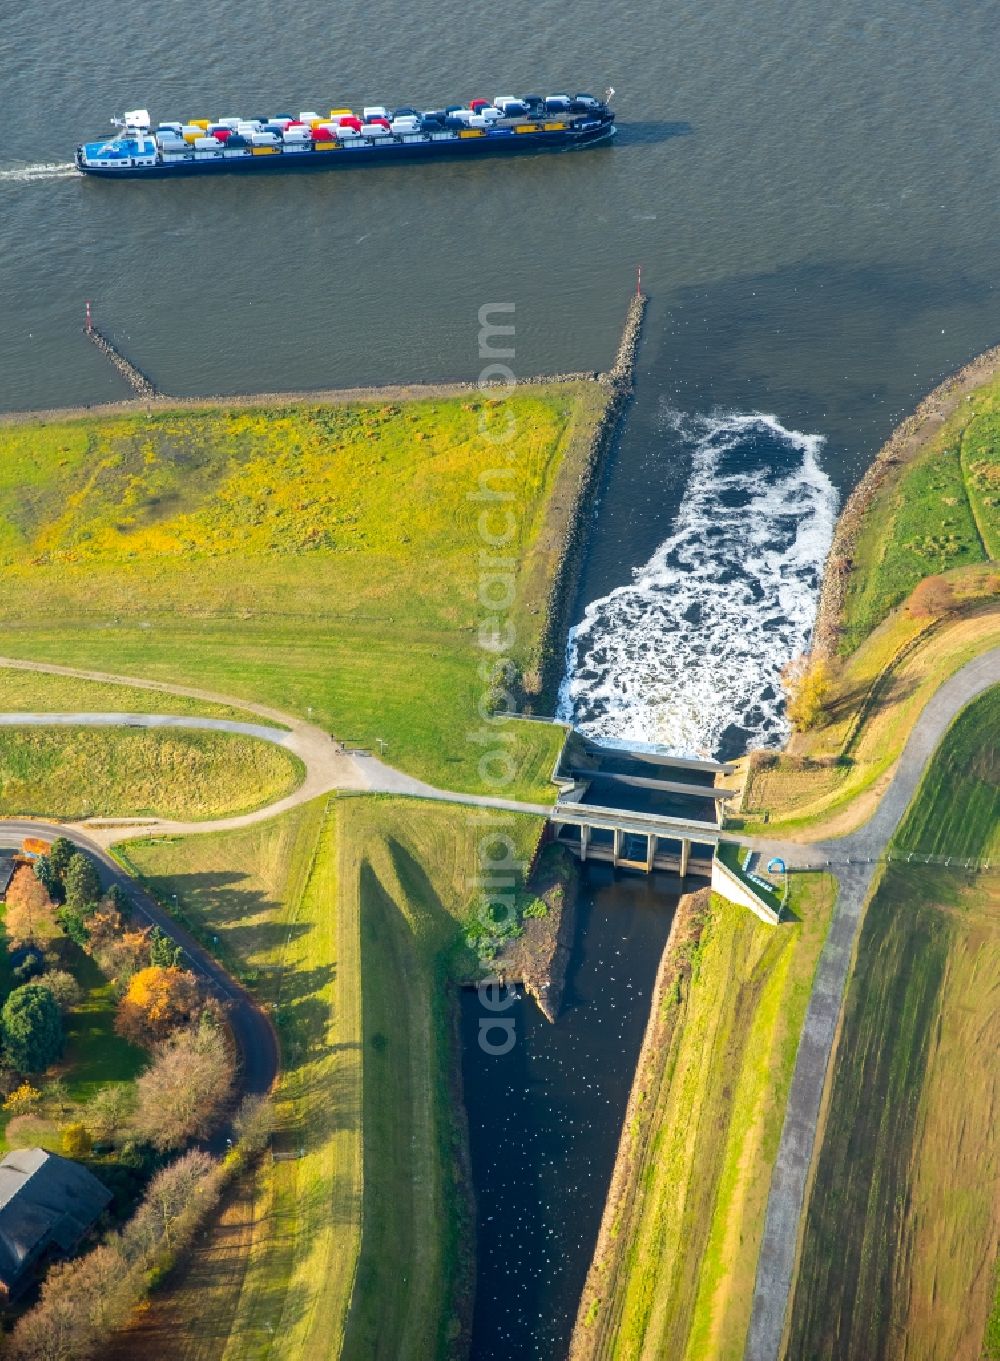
<point>584,840</point>
<point>650,852</point>
<point>619,836</point>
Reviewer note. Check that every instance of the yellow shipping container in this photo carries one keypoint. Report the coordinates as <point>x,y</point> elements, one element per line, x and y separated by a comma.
<point>316,122</point>
<point>341,113</point>
<point>327,146</point>
<point>264,150</point>
<point>471,132</point>
<point>556,127</point>
<point>191,136</point>
<point>201,123</point>
<point>528,127</point>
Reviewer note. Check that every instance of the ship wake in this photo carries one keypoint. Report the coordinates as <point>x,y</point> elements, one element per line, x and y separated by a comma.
<point>44,170</point>
<point>689,654</point>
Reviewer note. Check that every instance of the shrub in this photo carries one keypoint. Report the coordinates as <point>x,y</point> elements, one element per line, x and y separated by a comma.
<point>933,598</point>
<point>808,686</point>
<point>63,987</point>
<point>75,1140</point>
<point>22,1100</point>
<point>108,1110</point>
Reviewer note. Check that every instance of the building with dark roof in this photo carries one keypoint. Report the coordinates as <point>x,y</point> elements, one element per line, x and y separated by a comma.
<point>47,1205</point>
<point>7,867</point>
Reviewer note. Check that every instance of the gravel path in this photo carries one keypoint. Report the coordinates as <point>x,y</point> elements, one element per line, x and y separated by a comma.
<point>854,859</point>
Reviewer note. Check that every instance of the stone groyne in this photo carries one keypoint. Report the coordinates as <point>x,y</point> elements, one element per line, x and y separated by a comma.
<point>905,442</point>
<point>136,380</point>
<point>619,381</point>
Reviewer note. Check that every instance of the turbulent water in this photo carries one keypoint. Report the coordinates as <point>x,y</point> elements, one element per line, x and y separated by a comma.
<point>688,654</point>
<point>42,170</point>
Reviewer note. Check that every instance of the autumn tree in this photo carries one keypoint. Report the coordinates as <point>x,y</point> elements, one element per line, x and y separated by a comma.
<point>808,685</point>
<point>82,1300</point>
<point>168,1196</point>
<point>156,1002</point>
<point>30,913</point>
<point>186,1088</point>
<point>932,598</point>
<point>32,1028</point>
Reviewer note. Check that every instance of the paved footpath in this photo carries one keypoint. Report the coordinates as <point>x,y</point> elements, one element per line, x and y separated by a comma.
<point>854,859</point>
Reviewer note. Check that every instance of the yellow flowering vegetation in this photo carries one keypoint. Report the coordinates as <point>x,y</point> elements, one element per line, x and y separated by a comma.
<point>330,560</point>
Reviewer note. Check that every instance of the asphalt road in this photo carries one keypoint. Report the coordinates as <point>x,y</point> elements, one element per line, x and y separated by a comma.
<point>854,859</point>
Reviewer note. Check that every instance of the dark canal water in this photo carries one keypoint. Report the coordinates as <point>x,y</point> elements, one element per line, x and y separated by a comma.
<point>812,193</point>
<point>545,1118</point>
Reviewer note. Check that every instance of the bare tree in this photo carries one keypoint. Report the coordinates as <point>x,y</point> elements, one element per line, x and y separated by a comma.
<point>188,1085</point>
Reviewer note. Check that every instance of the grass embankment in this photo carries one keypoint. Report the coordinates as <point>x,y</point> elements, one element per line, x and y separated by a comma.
<point>941,512</point>
<point>937,513</point>
<point>326,560</point>
<point>903,1221</point>
<point>830,778</point>
<point>367,1184</point>
<point>675,1268</point>
<point>113,772</point>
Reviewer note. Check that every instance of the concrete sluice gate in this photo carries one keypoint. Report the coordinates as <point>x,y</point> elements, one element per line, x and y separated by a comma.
<point>639,809</point>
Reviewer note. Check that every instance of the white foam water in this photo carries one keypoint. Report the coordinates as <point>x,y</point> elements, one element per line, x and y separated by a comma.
<point>688,655</point>
<point>55,170</point>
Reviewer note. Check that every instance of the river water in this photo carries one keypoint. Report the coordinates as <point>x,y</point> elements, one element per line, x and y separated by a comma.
<point>811,191</point>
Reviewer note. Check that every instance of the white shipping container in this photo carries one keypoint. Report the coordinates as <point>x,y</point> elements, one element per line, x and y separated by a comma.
<point>375,111</point>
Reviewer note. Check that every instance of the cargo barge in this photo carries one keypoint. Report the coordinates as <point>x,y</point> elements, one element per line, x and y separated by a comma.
<point>505,124</point>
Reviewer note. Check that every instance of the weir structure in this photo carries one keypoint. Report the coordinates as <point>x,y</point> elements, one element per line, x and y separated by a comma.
<point>638,809</point>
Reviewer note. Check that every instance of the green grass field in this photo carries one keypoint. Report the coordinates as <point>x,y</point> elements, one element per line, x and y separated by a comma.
<point>304,907</point>
<point>941,512</point>
<point>113,772</point>
<point>677,1278</point>
<point>903,1221</point>
<point>326,560</point>
<point>27,691</point>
